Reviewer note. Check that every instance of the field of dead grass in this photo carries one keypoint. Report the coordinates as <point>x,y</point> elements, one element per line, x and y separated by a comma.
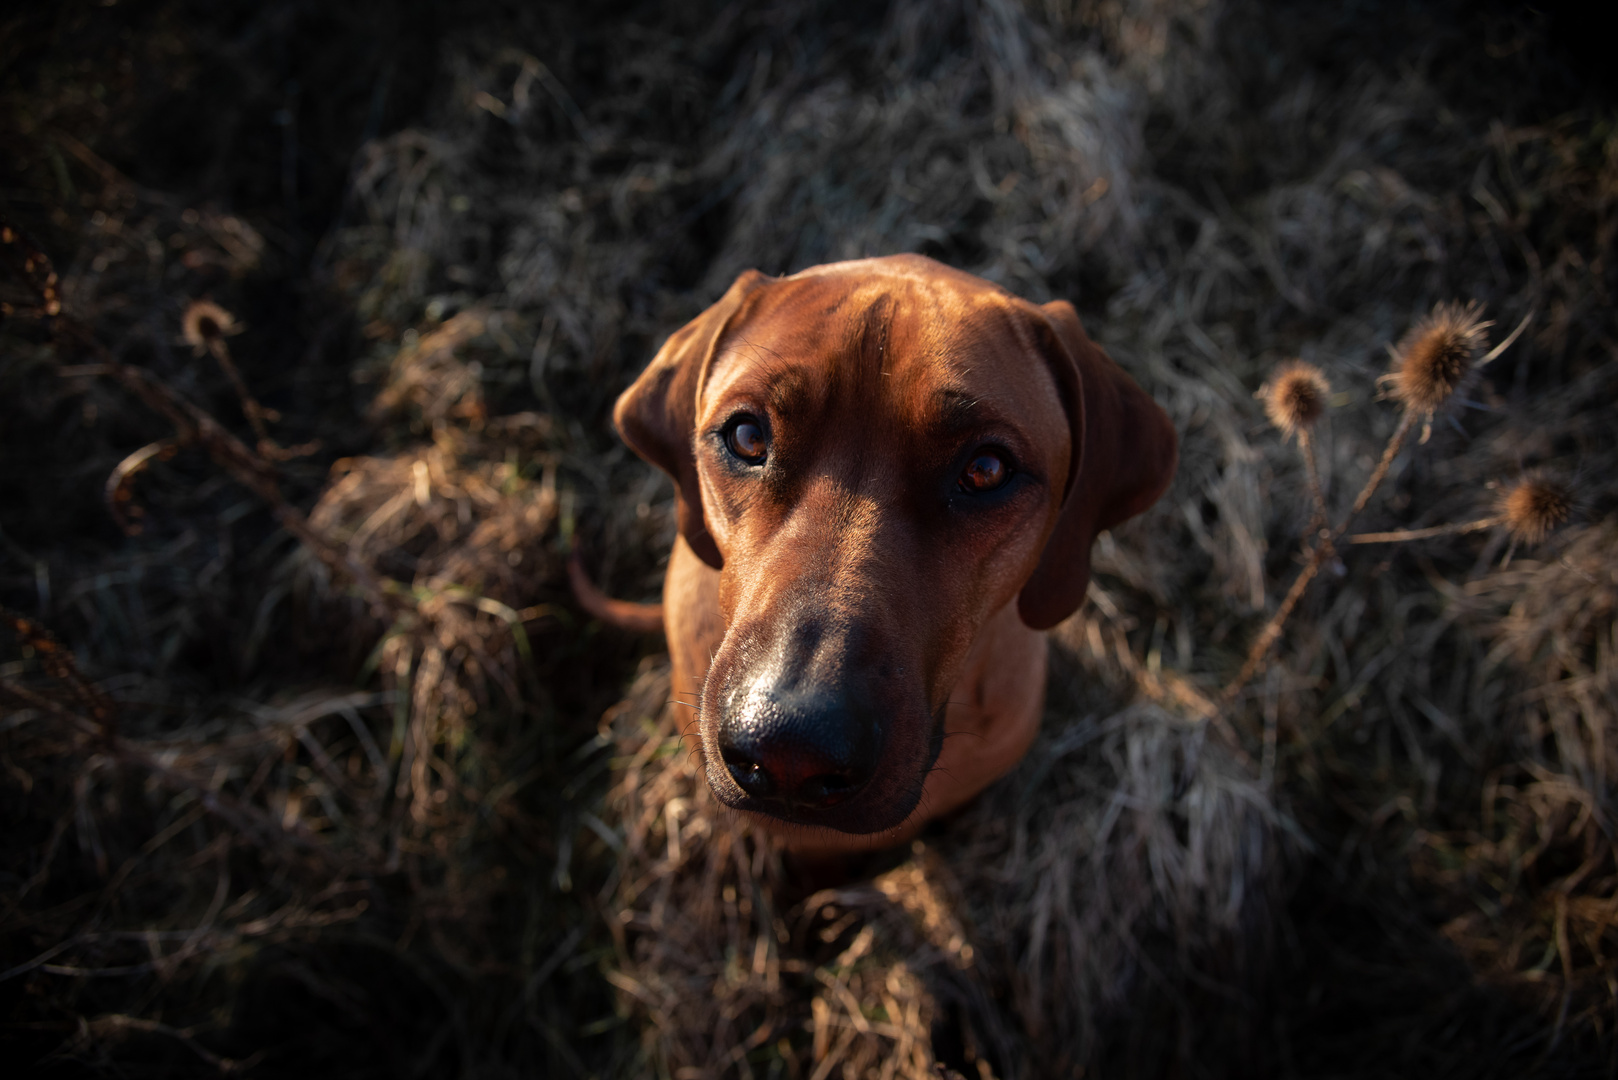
<point>311,765</point>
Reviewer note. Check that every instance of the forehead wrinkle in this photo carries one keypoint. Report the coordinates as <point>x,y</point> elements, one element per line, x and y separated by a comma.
<point>768,376</point>
<point>790,392</point>
<point>738,348</point>
<point>954,413</point>
<point>854,347</point>
<point>873,345</point>
<point>977,375</point>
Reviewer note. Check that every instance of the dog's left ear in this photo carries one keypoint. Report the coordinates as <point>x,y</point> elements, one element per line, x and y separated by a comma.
<point>1124,453</point>
<point>657,414</point>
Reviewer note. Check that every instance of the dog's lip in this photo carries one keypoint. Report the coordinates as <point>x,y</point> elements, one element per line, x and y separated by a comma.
<point>846,817</point>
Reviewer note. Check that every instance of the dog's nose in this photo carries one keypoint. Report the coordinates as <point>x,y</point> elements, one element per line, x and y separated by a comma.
<point>800,751</point>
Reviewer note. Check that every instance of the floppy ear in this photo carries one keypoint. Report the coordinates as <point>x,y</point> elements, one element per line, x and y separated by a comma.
<point>657,414</point>
<point>1124,453</point>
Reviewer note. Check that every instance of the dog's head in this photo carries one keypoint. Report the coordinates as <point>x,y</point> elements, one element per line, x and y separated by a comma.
<point>878,456</point>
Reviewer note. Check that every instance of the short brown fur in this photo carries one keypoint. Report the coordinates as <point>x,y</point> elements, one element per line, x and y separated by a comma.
<point>874,378</point>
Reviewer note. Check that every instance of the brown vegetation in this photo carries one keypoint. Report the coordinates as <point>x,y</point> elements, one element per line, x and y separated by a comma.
<point>313,316</point>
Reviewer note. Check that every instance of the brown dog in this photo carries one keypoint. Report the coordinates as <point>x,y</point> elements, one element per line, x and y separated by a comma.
<point>889,474</point>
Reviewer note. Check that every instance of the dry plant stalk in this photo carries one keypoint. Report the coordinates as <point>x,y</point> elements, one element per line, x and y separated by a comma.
<point>305,790</point>
<point>194,425</point>
<point>445,638</point>
<point>205,326</point>
<point>1436,359</point>
<point>57,662</point>
<point>1530,510</point>
<point>1295,399</point>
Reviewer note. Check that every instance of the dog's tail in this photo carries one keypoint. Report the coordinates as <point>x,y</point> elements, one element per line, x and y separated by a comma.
<point>636,618</point>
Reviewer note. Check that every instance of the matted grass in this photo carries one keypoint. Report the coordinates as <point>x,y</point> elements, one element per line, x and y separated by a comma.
<point>321,772</point>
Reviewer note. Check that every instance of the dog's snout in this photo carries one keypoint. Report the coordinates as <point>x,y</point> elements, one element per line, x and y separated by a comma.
<point>798,751</point>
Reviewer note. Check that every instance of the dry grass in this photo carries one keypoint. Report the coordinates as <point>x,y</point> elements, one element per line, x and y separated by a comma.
<point>323,788</point>
<point>1096,898</point>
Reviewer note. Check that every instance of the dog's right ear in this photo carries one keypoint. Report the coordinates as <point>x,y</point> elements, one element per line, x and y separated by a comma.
<point>657,415</point>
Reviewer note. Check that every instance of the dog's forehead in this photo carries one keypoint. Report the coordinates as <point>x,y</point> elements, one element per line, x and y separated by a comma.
<point>919,341</point>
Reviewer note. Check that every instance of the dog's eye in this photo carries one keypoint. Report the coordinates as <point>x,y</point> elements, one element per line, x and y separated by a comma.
<point>986,472</point>
<point>744,436</point>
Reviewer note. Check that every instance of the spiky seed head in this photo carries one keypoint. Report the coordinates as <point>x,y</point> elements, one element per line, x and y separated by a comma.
<point>1533,508</point>
<point>1296,396</point>
<point>1438,356</point>
<point>204,324</point>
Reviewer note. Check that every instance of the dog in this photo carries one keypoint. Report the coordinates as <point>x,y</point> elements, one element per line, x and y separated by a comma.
<point>888,474</point>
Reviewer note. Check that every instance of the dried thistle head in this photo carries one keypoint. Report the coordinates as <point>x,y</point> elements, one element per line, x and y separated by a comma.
<point>1437,357</point>
<point>1531,509</point>
<point>205,324</point>
<point>1296,396</point>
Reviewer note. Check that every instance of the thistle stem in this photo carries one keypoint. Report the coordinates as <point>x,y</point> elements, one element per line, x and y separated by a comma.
<point>1324,549</point>
<point>250,406</point>
<point>1272,629</point>
<point>1306,447</point>
<point>1422,534</point>
<point>1406,420</point>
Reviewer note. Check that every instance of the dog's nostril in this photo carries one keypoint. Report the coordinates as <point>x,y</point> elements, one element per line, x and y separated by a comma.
<point>750,776</point>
